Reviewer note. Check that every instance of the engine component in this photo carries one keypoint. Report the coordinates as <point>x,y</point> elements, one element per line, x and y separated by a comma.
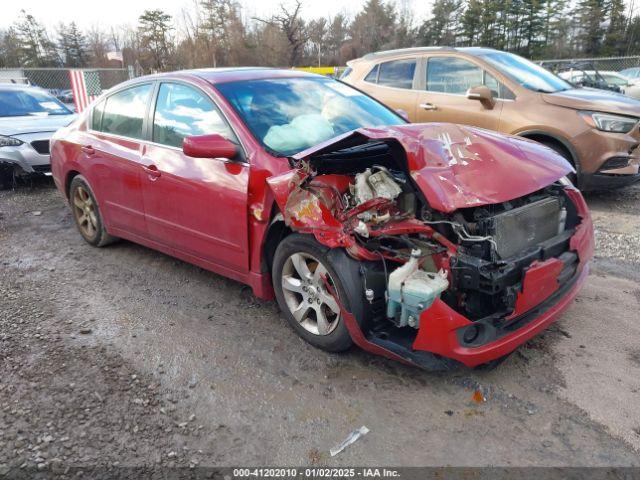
<point>520,228</point>
<point>362,229</point>
<point>370,185</point>
<point>411,291</point>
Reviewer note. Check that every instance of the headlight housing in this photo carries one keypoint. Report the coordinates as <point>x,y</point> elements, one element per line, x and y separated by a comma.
<point>608,122</point>
<point>6,141</point>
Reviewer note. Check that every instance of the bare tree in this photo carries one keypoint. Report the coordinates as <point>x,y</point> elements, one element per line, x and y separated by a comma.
<point>293,27</point>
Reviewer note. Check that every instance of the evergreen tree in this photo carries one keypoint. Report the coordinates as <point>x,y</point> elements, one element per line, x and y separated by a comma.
<point>442,27</point>
<point>35,49</point>
<point>614,39</point>
<point>470,23</point>
<point>336,38</point>
<point>9,49</point>
<point>154,28</point>
<point>374,27</point>
<point>591,15</point>
<point>72,44</point>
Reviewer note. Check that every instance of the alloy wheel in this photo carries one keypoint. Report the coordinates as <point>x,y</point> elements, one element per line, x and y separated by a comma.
<point>85,212</point>
<point>303,287</point>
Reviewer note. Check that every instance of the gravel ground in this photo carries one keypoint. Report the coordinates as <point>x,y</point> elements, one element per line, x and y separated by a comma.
<point>123,356</point>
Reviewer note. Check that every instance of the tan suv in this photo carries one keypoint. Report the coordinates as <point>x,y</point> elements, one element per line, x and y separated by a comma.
<point>597,131</point>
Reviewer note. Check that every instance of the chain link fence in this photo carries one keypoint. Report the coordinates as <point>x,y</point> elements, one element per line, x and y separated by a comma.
<point>58,80</point>
<point>613,64</point>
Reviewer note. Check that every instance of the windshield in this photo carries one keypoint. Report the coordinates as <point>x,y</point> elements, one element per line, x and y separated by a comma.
<point>289,115</point>
<point>527,73</point>
<point>18,103</point>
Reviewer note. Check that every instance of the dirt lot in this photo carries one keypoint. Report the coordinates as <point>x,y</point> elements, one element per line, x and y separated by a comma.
<point>124,356</point>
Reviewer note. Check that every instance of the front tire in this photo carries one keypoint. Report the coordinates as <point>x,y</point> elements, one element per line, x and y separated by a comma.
<point>299,265</point>
<point>573,177</point>
<point>86,213</point>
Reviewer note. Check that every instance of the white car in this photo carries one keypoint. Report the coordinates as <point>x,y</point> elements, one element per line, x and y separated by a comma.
<point>28,118</point>
<point>627,86</point>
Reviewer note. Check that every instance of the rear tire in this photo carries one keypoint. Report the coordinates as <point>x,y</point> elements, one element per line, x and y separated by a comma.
<point>86,213</point>
<point>298,266</point>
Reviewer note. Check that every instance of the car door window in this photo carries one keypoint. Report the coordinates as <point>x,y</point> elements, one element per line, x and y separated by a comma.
<point>397,73</point>
<point>452,75</point>
<point>456,76</point>
<point>613,80</point>
<point>96,116</point>
<point>124,111</point>
<point>493,84</point>
<point>372,76</point>
<point>183,111</point>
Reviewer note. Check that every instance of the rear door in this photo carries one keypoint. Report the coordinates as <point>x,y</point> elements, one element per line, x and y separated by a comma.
<point>112,154</point>
<point>196,205</point>
<point>392,83</point>
<point>443,92</point>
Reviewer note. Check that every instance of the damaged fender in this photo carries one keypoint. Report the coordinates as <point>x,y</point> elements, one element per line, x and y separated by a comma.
<point>440,190</point>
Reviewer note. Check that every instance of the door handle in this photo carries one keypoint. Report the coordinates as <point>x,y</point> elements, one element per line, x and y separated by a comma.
<point>152,171</point>
<point>428,106</point>
<point>88,149</point>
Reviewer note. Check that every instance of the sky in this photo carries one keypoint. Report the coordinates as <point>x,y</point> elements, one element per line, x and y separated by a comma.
<point>90,13</point>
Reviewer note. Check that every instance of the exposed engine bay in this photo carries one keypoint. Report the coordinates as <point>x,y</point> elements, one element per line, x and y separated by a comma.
<point>473,259</point>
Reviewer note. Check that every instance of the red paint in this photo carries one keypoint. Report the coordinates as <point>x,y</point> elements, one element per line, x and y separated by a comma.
<point>209,146</point>
<point>215,213</point>
<point>457,166</point>
<point>438,325</point>
<point>540,281</point>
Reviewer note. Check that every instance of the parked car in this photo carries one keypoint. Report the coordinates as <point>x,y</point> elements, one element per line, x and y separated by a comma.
<point>433,244</point>
<point>582,74</point>
<point>597,131</point>
<point>613,81</point>
<point>28,118</point>
<point>632,73</point>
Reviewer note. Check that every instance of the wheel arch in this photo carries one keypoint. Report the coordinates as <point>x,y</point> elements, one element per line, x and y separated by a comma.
<point>71,174</point>
<point>276,232</point>
<point>543,136</point>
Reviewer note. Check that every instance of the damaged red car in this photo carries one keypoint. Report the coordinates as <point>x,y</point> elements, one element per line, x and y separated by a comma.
<point>432,244</point>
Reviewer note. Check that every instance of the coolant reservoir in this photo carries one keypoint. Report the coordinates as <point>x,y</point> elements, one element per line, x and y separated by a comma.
<point>411,291</point>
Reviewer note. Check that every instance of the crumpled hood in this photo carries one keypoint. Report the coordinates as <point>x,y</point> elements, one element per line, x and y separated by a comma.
<point>594,99</point>
<point>457,166</point>
<point>33,124</point>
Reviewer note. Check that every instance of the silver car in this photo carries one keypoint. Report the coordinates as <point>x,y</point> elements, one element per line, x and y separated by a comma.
<point>28,118</point>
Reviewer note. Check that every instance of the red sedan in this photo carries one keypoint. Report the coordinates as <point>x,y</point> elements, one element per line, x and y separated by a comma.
<point>433,244</point>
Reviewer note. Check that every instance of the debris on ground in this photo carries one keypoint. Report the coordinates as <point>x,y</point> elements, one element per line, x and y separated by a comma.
<point>351,438</point>
<point>478,397</point>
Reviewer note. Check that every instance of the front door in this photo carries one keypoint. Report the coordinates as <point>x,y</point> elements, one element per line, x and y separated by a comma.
<point>196,205</point>
<point>446,80</point>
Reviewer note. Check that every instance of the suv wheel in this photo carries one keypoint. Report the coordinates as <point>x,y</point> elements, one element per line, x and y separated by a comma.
<point>573,178</point>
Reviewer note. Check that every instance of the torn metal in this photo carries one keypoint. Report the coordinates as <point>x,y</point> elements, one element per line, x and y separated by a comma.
<point>461,233</point>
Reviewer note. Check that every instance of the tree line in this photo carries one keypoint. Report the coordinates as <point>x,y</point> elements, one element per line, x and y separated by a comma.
<point>214,33</point>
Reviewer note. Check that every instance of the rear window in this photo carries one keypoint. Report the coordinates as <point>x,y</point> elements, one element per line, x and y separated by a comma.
<point>396,73</point>
<point>372,76</point>
<point>124,111</point>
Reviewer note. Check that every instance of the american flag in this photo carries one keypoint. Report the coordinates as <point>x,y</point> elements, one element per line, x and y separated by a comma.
<point>85,85</point>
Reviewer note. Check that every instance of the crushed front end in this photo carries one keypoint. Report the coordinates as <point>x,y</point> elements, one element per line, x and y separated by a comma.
<point>456,267</point>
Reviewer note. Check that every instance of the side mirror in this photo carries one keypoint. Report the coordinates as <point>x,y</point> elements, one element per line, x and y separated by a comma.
<point>403,114</point>
<point>209,146</point>
<point>483,94</point>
